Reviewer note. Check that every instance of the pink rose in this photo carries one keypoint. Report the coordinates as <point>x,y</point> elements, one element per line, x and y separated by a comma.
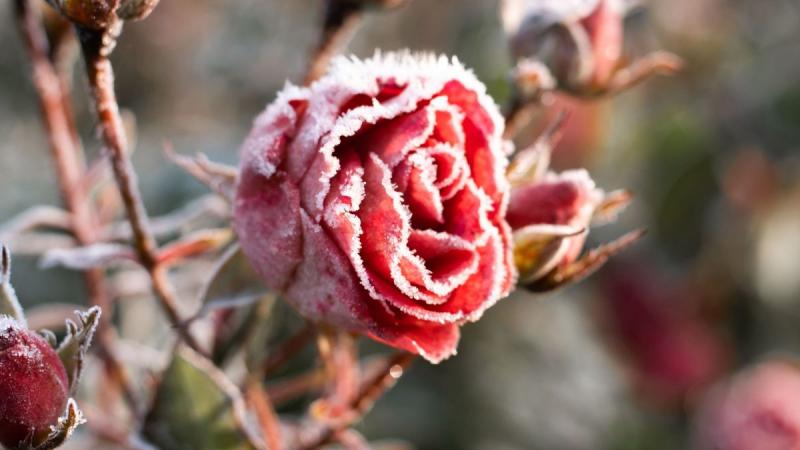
<point>33,385</point>
<point>375,200</point>
<point>550,217</point>
<point>758,410</point>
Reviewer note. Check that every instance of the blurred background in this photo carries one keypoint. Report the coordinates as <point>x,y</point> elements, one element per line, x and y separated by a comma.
<point>623,360</point>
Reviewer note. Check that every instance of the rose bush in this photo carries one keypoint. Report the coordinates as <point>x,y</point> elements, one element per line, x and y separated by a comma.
<point>375,200</point>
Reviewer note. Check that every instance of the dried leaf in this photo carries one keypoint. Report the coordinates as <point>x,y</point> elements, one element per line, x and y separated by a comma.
<point>218,177</point>
<point>201,241</point>
<point>532,163</point>
<point>9,304</point>
<point>72,350</point>
<point>197,408</point>
<point>586,265</point>
<point>612,205</point>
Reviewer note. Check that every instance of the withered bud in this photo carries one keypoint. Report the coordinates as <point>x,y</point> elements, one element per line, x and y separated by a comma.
<point>103,14</point>
<point>94,14</point>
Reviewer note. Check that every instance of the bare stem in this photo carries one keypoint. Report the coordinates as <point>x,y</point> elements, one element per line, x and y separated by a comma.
<point>70,168</point>
<point>342,18</point>
<point>96,46</point>
<point>259,400</point>
<point>370,391</point>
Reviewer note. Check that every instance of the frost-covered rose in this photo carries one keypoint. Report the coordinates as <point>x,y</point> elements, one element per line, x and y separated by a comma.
<point>550,218</point>
<point>375,200</point>
<point>33,385</point>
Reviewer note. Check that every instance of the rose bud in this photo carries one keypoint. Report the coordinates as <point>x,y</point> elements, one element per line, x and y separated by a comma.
<point>375,200</point>
<point>92,14</point>
<point>33,385</point>
<point>580,41</point>
<point>758,410</point>
<point>550,218</point>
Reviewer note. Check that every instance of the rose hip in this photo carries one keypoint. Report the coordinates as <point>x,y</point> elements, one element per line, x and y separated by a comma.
<point>33,385</point>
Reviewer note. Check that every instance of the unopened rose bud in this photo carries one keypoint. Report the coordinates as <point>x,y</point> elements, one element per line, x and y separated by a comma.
<point>550,218</point>
<point>580,41</point>
<point>33,385</point>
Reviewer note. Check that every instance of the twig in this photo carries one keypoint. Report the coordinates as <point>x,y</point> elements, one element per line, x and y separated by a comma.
<point>69,164</point>
<point>96,46</point>
<point>371,390</point>
<point>259,400</point>
<point>342,18</point>
<point>286,390</point>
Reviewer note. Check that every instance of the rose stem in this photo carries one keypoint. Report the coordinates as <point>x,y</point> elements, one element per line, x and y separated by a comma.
<point>342,18</point>
<point>69,166</point>
<point>371,390</point>
<point>259,400</point>
<point>96,46</point>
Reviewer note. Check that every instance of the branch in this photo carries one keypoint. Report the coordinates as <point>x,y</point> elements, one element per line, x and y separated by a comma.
<point>96,46</point>
<point>383,378</point>
<point>69,165</point>
<point>342,19</point>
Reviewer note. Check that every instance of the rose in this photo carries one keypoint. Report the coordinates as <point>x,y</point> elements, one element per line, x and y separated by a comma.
<point>550,216</point>
<point>33,385</point>
<point>758,410</point>
<point>375,200</point>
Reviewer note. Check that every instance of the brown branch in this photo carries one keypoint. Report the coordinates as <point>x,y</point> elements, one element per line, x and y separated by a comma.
<point>96,46</point>
<point>371,390</point>
<point>259,400</point>
<point>342,18</point>
<point>69,165</point>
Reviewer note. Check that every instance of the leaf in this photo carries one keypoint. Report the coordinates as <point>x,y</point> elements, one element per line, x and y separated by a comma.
<point>197,407</point>
<point>9,304</point>
<point>234,283</point>
<point>73,349</point>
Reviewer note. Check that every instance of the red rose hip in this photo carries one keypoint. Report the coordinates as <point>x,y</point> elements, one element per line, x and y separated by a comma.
<point>33,385</point>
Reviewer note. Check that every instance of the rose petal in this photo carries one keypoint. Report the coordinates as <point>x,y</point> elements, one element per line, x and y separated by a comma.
<point>268,225</point>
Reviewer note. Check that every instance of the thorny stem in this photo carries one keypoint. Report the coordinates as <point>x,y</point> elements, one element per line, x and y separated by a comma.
<point>370,391</point>
<point>70,169</point>
<point>96,46</point>
<point>342,18</point>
